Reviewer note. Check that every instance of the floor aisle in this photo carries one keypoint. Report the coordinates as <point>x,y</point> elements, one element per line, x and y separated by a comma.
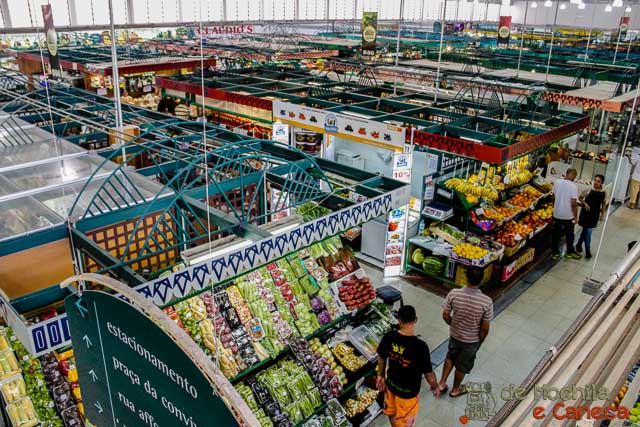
<point>521,333</point>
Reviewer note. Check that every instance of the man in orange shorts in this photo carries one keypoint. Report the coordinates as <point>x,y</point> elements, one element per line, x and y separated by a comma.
<point>403,359</point>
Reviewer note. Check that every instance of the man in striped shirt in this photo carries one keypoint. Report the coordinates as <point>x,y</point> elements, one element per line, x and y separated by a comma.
<point>183,111</point>
<point>468,312</point>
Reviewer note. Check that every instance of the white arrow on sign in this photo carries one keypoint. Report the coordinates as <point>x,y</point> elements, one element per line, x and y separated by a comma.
<point>98,407</point>
<point>94,377</point>
<point>87,341</point>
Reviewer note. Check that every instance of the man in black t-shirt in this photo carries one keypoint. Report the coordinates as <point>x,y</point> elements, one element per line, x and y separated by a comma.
<point>403,359</point>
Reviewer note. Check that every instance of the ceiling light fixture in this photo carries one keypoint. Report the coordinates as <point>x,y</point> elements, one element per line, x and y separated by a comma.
<point>534,5</point>
<point>581,5</point>
<point>608,8</point>
<point>563,6</point>
<point>575,1</point>
<point>628,9</point>
<point>548,3</point>
<point>617,3</point>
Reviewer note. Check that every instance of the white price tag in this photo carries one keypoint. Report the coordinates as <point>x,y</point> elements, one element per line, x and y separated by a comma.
<point>479,211</point>
<point>13,338</point>
<point>518,237</point>
<point>40,383</point>
<point>50,404</point>
<point>25,358</point>
<point>188,315</point>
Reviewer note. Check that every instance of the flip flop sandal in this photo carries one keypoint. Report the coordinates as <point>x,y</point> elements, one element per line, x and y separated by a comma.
<point>463,390</point>
<point>444,390</point>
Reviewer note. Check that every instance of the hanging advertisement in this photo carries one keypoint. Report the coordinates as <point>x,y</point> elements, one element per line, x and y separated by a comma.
<point>624,25</point>
<point>369,33</point>
<point>397,220</point>
<point>279,203</point>
<point>52,39</point>
<point>504,30</point>
<point>280,133</point>
<point>383,135</point>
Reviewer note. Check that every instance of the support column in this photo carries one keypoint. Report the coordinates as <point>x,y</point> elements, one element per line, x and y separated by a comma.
<point>73,12</point>
<point>6,16</point>
<point>130,17</point>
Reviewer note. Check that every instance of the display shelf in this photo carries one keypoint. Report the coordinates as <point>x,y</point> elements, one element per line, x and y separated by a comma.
<point>345,391</point>
<point>287,350</point>
<point>629,400</point>
<point>420,242</point>
<point>442,279</point>
<point>353,273</point>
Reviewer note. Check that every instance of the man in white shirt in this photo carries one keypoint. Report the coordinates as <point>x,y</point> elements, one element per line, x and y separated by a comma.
<point>634,185</point>
<point>565,214</point>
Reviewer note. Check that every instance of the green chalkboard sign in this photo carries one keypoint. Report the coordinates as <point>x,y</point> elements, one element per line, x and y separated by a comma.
<point>132,374</point>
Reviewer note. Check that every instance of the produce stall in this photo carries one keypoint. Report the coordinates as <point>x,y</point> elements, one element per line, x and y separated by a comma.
<point>294,336</point>
<point>255,293</point>
<point>482,214</point>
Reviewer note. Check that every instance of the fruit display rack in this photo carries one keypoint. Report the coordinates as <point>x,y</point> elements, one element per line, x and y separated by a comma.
<point>40,391</point>
<point>629,397</point>
<point>498,228</point>
<point>281,321</point>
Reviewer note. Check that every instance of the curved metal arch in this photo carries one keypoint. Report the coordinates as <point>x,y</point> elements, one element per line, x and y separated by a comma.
<point>303,184</point>
<point>479,94</point>
<point>148,146</point>
<point>527,104</point>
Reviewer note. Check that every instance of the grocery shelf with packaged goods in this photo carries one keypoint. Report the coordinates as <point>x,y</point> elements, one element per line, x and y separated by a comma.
<point>269,248</point>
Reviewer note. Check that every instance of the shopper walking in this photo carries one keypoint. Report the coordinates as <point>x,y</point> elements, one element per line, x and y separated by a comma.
<point>565,214</point>
<point>634,184</point>
<point>403,359</point>
<point>594,205</point>
<point>468,312</point>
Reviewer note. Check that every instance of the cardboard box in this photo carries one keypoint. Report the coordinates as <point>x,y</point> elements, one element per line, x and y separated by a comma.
<point>130,132</point>
<point>525,258</point>
<point>461,275</point>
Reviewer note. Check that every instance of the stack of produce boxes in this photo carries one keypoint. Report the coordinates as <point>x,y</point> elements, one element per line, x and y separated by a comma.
<point>28,399</point>
<point>61,376</point>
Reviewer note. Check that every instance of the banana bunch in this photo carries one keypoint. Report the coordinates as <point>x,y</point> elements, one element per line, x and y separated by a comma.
<point>208,332</point>
<point>466,188</point>
<point>520,178</point>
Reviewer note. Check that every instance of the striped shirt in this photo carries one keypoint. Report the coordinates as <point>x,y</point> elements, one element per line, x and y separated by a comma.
<point>182,111</point>
<point>468,308</point>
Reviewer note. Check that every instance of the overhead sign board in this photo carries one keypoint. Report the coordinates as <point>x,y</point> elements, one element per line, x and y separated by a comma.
<point>342,125</point>
<point>132,373</point>
<point>369,33</point>
<point>504,30</point>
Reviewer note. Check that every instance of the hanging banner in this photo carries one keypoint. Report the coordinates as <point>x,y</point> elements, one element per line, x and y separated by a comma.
<point>624,25</point>
<point>52,39</point>
<point>504,30</point>
<point>369,33</point>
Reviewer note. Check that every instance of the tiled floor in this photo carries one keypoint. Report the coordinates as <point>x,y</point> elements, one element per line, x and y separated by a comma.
<point>525,330</point>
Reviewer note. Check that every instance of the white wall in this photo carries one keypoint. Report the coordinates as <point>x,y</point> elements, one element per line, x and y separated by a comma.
<point>372,162</point>
<point>575,17</point>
